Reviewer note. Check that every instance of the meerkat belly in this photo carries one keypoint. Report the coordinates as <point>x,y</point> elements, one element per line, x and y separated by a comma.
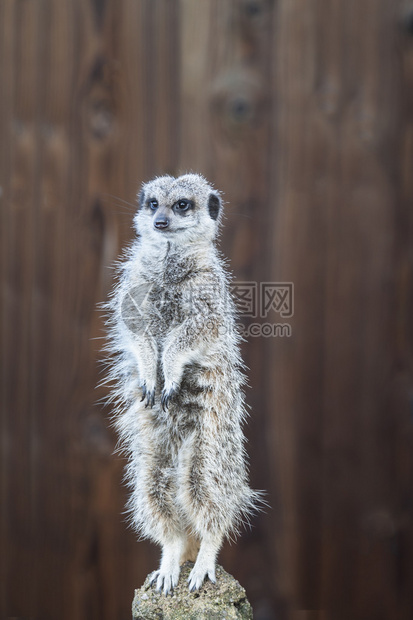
<point>206,395</point>
<point>203,388</point>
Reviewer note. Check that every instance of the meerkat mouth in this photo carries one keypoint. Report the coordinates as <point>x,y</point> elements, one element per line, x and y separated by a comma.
<point>165,231</point>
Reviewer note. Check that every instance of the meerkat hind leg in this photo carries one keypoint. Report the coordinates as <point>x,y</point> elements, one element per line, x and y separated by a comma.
<point>167,575</point>
<point>205,562</point>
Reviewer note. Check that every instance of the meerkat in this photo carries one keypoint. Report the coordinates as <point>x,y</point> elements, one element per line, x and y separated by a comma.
<point>179,380</point>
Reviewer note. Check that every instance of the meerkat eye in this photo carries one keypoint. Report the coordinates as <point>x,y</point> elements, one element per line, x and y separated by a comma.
<point>182,205</point>
<point>153,204</point>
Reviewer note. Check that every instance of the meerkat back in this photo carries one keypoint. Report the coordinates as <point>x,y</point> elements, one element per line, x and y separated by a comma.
<point>178,379</point>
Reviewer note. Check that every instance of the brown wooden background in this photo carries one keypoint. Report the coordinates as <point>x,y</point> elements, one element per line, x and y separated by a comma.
<point>301,112</point>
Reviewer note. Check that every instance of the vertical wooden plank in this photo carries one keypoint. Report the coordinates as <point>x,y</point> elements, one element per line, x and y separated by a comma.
<point>6,102</point>
<point>358,489</point>
<point>296,235</point>
<point>21,191</point>
<point>195,28</point>
<point>164,129</point>
<point>403,380</point>
<point>93,472</point>
<point>51,361</point>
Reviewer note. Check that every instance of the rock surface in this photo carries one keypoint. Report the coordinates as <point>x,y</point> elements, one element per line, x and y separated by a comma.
<point>225,600</point>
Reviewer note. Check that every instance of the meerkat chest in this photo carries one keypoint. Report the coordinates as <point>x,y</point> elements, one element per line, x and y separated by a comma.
<point>156,307</point>
<point>167,304</point>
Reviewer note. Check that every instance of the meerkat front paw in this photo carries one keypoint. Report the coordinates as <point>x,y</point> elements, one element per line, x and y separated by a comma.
<point>148,395</point>
<point>167,575</point>
<point>167,393</point>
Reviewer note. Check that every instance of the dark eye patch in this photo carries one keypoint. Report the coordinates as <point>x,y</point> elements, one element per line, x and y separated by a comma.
<point>181,206</point>
<point>152,204</point>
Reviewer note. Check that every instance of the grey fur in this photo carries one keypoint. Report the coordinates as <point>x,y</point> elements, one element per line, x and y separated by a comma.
<point>178,380</point>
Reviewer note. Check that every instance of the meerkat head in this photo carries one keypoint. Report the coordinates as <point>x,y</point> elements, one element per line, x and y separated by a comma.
<point>179,209</point>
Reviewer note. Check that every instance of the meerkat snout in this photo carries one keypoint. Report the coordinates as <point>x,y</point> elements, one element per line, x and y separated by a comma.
<point>161,222</point>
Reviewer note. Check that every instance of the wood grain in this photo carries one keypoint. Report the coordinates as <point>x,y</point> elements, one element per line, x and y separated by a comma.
<point>300,111</point>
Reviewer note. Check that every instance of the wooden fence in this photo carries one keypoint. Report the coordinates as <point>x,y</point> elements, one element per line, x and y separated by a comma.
<point>301,112</point>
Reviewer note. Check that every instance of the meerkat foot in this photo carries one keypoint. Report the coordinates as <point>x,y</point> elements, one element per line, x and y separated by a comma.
<point>165,582</point>
<point>199,573</point>
<point>205,562</point>
<point>167,575</point>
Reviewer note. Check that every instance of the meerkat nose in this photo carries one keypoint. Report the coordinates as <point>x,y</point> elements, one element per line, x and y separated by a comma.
<point>161,222</point>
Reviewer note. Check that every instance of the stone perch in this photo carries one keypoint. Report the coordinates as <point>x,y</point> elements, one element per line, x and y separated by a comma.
<point>225,600</point>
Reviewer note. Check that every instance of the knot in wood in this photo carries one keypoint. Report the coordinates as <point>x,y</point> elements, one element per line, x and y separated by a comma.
<point>407,21</point>
<point>100,119</point>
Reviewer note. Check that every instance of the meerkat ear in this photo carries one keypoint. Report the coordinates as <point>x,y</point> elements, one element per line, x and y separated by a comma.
<point>141,199</point>
<point>214,206</point>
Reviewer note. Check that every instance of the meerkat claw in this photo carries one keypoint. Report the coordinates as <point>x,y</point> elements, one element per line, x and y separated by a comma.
<point>164,400</point>
<point>148,396</point>
<point>144,392</point>
<point>150,399</point>
<point>166,397</point>
<point>153,577</point>
<point>195,583</point>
